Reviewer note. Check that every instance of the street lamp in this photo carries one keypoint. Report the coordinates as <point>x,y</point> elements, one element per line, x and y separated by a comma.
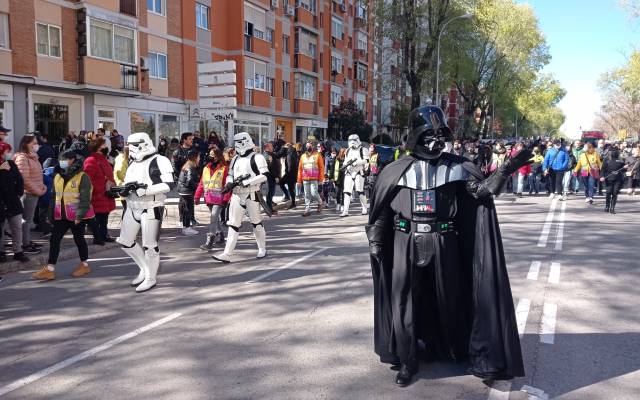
<point>444,27</point>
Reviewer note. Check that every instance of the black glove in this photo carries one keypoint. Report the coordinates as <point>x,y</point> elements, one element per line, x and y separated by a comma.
<point>375,250</point>
<point>228,188</point>
<point>522,158</point>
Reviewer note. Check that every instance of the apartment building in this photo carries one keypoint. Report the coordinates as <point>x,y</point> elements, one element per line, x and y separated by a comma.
<point>132,64</point>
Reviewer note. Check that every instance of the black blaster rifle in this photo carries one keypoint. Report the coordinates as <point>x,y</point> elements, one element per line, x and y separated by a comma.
<point>126,189</point>
<point>347,165</point>
<point>236,182</point>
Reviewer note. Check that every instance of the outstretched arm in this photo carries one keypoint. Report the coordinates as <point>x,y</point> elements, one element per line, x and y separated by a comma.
<point>493,184</point>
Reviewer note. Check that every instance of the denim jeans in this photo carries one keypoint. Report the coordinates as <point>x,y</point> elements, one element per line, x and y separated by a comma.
<point>310,193</point>
<point>590,186</point>
<point>29,203</point>
<point>532,180</point>
<point>566,181</point>
<point>520,185</point>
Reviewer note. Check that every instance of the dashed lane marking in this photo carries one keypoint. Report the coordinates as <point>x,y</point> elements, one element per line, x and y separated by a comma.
<point>288,265</point>
<point>560,232</point>
<point>91,352</point>
<point>548,325</point>
<point>522,313</point>
<point>554,273</point>
<point>534,393</point>
<point>534,270</point>
<point>546,229</point>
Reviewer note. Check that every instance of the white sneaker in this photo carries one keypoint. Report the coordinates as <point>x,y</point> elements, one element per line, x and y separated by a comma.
<point>590,200</point>
<point>552,195</point>
<point>189,231</point>
<point>337,207</point>
<point>364,211</point>
<point>563,198</point>
<point>587,199</point>
<point>345,213</point>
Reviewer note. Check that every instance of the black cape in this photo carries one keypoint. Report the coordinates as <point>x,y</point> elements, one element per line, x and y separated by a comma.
<point>494,344</point>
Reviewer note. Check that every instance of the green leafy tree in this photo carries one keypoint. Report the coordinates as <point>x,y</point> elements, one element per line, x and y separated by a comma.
<point>347,119</point>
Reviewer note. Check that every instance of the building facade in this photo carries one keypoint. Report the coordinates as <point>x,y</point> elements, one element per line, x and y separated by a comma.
<point>68,65</point>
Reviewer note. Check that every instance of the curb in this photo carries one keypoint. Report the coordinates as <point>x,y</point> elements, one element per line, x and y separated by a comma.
<point>36,261</point>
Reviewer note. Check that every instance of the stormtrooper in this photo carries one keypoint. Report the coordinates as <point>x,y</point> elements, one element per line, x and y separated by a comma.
<point>355,164</point>
<point>147,181</point>
<point>247,171</point>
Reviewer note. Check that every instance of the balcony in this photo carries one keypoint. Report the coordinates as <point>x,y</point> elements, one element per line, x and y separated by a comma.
<point>362,56</point>
<point>305,106</point>
<point>128,7</point>
<point>305,17</point>
<point>129,77</point>
<point>303,61</point>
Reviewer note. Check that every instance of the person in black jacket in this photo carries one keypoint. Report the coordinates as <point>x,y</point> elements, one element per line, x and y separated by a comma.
<point>612,176</point>
<point>46,150</point>
<point>273,163</point>
<point>180,155</point>
<point>10,204</point>
<point>187,184</point>
<point>290,176</point>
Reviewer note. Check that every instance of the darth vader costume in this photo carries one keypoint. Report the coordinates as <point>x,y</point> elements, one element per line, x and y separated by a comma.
<point>441,288</point>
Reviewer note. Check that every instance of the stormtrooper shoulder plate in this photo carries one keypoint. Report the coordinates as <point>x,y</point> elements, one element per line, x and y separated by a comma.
<point>423,175</point>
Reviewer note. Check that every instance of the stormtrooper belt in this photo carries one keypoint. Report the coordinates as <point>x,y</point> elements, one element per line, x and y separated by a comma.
<point>408,226</point>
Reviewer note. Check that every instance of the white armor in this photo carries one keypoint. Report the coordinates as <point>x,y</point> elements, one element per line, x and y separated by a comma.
<point>145,207</point>
<point>357,158</point>
<point>244,197</point>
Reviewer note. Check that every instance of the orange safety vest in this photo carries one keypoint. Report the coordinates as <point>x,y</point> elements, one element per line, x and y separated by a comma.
<point>310,170</point>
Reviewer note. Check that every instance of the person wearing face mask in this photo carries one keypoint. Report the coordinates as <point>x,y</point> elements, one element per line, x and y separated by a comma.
<point>3,134</point>
<point>613,169</point>
<point>27,161</point>
<point>536,171</point>
<point>310,174</point>
<point>10,205</point>
<point>555,163</point>
<point>588,167</point>
<point>100,172</point>
<point>70,210</point>
<point>212,181</point>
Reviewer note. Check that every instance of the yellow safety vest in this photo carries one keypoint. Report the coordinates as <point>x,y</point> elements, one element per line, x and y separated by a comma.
<point>212,182</point>
<point>69,195</point>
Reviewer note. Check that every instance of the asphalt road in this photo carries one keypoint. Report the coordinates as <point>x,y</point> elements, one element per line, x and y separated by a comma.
<point>298,325</point>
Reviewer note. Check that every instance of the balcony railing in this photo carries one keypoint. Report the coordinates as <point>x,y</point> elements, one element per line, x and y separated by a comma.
<point>128,7</point>
<point>129,77</point>
<point>296,105</point>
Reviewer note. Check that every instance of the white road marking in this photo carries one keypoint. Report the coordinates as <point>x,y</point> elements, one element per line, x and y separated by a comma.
<point>546,229</point>
<point>522,313</point>
<point>534,393</point>
<point>554,273</point>
<point>499,390</point>
<point>548,325</point>
<point>534,270</point>
<point>289,265</point>
<point>560,232</point>
<point>109,259</point>
<point>91,352</point>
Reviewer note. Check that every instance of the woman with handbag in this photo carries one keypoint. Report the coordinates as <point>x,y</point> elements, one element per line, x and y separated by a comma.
<point>613,178</point>
<point>100,172</point>
<point>214,176</point>
<point>588,167</point>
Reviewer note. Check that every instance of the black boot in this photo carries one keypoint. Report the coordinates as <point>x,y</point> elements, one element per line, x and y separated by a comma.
<point>614,200</point>
<point>208,245</point>
<point>404,376</point>
<point>219,237</point>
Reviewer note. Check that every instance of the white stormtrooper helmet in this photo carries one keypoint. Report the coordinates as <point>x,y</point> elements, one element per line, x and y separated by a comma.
<point>354,141</point>
<point>140,146</point>
<point>243,143</point>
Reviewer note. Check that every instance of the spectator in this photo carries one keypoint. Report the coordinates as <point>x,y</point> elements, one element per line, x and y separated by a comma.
<point>298,148</point>
<point>522,173</point>
<point>45,150</point>
<point>69,210</point>
<point>162,145</point>
<point>568,174</point>
<point>187,184</point>
<point>3,134</point>
<point>310,174</point>
<point>214,176</point>
<point>79,144</point>
<point>27,161</point>
<point>49,168</point>
<point>117,143</point>
<point>338,178</point>
<point>588,167</point>
<point>613,178</point>
<point>274,172</point>
<point>66,142</point>
<point>100,173</point>
<point>555,163</point>
<point>180,155</point>
<point>199,145</point>
<point>10,204</point>
<point>536,172</point>
<point>120,166</point>
<point>458,149</point>
<point>633,170</point>
<point>328,187</point>
<point>290,173</point>
<point>174,144</point>
<point>215,140</point>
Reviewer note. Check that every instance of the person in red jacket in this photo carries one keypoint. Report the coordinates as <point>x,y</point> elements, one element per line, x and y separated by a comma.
<point>522,173</point>
<point>100,172</point>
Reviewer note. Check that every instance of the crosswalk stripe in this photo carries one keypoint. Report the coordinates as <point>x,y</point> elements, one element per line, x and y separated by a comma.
<point>534,270</point>
<point>554,273</point>
<point>546,229</point>
<point>548,325</point>
<point>522,313</point>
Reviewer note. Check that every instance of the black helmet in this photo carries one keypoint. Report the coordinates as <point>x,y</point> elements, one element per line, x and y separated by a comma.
<point>428,132</point>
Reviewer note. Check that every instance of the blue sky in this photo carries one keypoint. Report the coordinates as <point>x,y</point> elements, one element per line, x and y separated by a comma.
<point>586,38</point>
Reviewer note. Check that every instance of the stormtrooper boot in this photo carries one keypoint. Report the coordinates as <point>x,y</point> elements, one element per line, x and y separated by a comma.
<point>232,239</point>
<point>137,255</point>
<point>152,258</point>
<point>345,207</point>
<point>261,239</point>
<point>363,201</point>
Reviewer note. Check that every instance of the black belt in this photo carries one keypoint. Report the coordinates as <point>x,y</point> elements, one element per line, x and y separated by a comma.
<point>407,226</point>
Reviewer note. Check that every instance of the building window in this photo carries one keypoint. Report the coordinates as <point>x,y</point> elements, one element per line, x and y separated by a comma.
<point>143,122</point>
<point>158,65</point>
<point>306,43</point>
<point>336,64</point>
<point>286,89</point>
<point>361,72</point>
<point>112,42</point>
<point>202,16</point>
<point>285,44</point>
<point>4,31</point>
<point>362,41</point>
<point>156,6</point>
<point>255,20</point>
<point>128,7</point>
<point>361,102</point>
<point>48,39</point>
<point>306,87</point>
<point>271,87</point>
<point>107,120</point>
<point>270,35</point>
<point>169,126</point>
<point>336,95</point>
<point>337,30</point>
<point>309,5</point>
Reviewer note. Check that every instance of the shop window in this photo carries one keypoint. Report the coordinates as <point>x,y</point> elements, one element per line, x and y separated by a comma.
<point>52,119</point>
<point>107,120</point>
<point>143,122</point>
<point>48,39</point>
<point>169,126</point>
